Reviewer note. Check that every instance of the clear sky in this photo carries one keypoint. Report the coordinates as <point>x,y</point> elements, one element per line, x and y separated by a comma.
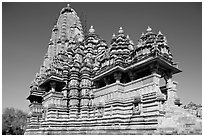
<point>26,30</point>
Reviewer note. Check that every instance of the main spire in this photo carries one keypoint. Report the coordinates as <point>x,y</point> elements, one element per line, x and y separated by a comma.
<point>68,25</point>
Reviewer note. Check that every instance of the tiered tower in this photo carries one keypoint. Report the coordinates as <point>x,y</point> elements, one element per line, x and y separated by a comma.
<point>86,86</point>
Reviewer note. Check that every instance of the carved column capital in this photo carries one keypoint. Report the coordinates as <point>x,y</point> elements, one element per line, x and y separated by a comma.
<point>117,76</point>
<point>106,80</point>
<point>53,85</point>
<point>168,79</point>
<point>132,75</point>
<point>154,68</point>
<point>167,76</point>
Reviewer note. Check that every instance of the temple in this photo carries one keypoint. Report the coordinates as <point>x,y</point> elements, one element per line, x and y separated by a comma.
<point>86,86</point>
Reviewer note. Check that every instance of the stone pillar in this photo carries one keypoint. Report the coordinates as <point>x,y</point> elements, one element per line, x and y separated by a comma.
<point>117,76</point>
<point>154,68</point>
<point>74,103</point>
<point>84,107</point>
<point>171,88</point>
<point>65,89</point>
<point>91,105</point>
<point>106,80</point>
<point>86,82</point>
<point>69,76</point>
<point>132,75</point>
<point>85,86</point>
<point>65,77</point>
<point>73,93</point>
<point>161,98</point>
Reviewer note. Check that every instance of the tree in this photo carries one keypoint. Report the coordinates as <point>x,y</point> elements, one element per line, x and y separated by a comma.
<point>195,109</point>
<point>13,121</point>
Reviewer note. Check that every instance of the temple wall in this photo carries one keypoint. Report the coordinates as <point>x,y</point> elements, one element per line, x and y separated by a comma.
<point>117,99</point>
<point>122,91</point>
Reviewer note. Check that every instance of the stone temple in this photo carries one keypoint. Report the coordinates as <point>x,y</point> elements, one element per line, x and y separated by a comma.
<point>86,86</point>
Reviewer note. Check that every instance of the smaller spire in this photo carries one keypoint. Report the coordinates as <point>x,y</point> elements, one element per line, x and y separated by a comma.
<point>149,29</point>
<point>91,30</point>
<point>128,37</point>
<point>120,30</point>
<point>68,7</point>
<point>142,36</point>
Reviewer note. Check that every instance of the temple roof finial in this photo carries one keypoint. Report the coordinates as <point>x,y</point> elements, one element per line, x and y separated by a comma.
<point>159,33</point>
<point>68,6</point>
<point>113,36</point>
<point>66,9</point>
<point>120,30</point>
<point>91,30</point>
<point>149,29</point>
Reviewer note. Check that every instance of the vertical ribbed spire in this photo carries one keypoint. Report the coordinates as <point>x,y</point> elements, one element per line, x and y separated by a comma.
<point>149,29</point>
